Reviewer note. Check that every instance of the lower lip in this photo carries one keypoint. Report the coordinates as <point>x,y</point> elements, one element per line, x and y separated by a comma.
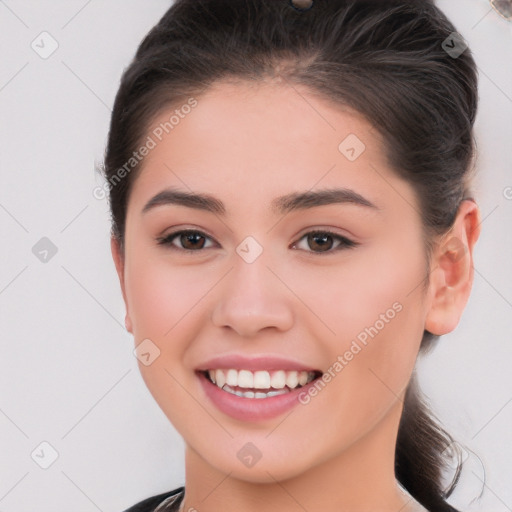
<point>251,409</point>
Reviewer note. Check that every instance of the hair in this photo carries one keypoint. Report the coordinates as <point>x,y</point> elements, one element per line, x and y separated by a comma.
<point>382,58</point>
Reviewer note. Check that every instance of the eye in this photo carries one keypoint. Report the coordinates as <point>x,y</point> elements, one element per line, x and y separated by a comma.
<point>192,240</point>
<point>323,240</point>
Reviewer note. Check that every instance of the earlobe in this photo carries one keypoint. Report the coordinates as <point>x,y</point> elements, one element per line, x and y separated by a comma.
<point>452,272</point>
<point>118,257</point>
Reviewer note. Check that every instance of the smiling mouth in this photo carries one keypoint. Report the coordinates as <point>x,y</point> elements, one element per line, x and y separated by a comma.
<point>259,384</point>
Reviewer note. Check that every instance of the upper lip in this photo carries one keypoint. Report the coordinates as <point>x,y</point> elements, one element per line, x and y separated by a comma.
<point>240,362</point>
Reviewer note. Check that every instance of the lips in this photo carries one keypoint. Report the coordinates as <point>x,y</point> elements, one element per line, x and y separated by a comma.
<point>255,404</point>
<point>253,408</point>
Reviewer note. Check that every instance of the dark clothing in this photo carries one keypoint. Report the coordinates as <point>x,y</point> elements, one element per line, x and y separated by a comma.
<point>160,503</point>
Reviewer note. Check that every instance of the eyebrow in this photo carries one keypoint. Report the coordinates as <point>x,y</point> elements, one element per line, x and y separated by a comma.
<point>280,205</point>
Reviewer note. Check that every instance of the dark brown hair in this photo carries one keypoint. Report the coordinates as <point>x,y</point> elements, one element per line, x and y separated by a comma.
<point>382,58</point>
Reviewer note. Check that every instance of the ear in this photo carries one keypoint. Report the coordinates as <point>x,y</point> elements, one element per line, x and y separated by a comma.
<point>452,272</point>
<point>118,257</point>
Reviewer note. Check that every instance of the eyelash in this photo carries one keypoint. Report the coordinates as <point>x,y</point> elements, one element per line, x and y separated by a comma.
<point>345,243</point>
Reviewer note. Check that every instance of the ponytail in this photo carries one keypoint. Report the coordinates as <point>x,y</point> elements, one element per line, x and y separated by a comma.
<point>420,454</point>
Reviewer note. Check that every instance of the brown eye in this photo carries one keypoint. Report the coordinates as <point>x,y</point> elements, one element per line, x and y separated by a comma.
<point>320,240</point>
<point>323,242</point>
<point>192,240</point>
<point>189,240</point>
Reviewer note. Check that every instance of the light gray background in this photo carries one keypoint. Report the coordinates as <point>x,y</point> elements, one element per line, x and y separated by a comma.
<point>67,372</point>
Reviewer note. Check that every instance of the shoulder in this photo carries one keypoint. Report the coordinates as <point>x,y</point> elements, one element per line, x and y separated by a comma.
<point>149,504</point>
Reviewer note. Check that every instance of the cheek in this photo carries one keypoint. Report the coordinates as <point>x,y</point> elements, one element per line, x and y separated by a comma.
<point>373,305</point>
<point>378,322</point>
<point>161,294</point>
<point>378,285</point>
<point>163,302</point>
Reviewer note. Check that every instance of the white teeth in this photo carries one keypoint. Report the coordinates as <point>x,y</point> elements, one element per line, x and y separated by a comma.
<point>261,379</point>
<point>303,378</point>
<point>245,379</point>
<point>275,393</point>
<point>252,394</point>
<point>232,377</point>
<point>292,379</point>
<point>278,380</point>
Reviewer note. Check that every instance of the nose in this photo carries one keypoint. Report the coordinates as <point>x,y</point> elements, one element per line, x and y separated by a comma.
<point>253,297</point>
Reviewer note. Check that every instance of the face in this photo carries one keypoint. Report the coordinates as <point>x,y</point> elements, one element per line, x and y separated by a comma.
<point>332,284</point>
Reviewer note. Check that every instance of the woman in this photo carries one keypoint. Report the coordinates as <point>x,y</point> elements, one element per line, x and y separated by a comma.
<point>292,225</point>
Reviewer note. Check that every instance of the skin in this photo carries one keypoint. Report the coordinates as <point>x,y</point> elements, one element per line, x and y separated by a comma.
<point>246,144</point>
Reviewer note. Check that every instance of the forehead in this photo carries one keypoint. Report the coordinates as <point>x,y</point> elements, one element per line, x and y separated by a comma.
<point>248,138</point>
<point>265,114</point>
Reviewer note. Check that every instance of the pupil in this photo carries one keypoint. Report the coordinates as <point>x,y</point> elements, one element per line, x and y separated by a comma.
<point>323,237</point>
<point>190,237</point>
